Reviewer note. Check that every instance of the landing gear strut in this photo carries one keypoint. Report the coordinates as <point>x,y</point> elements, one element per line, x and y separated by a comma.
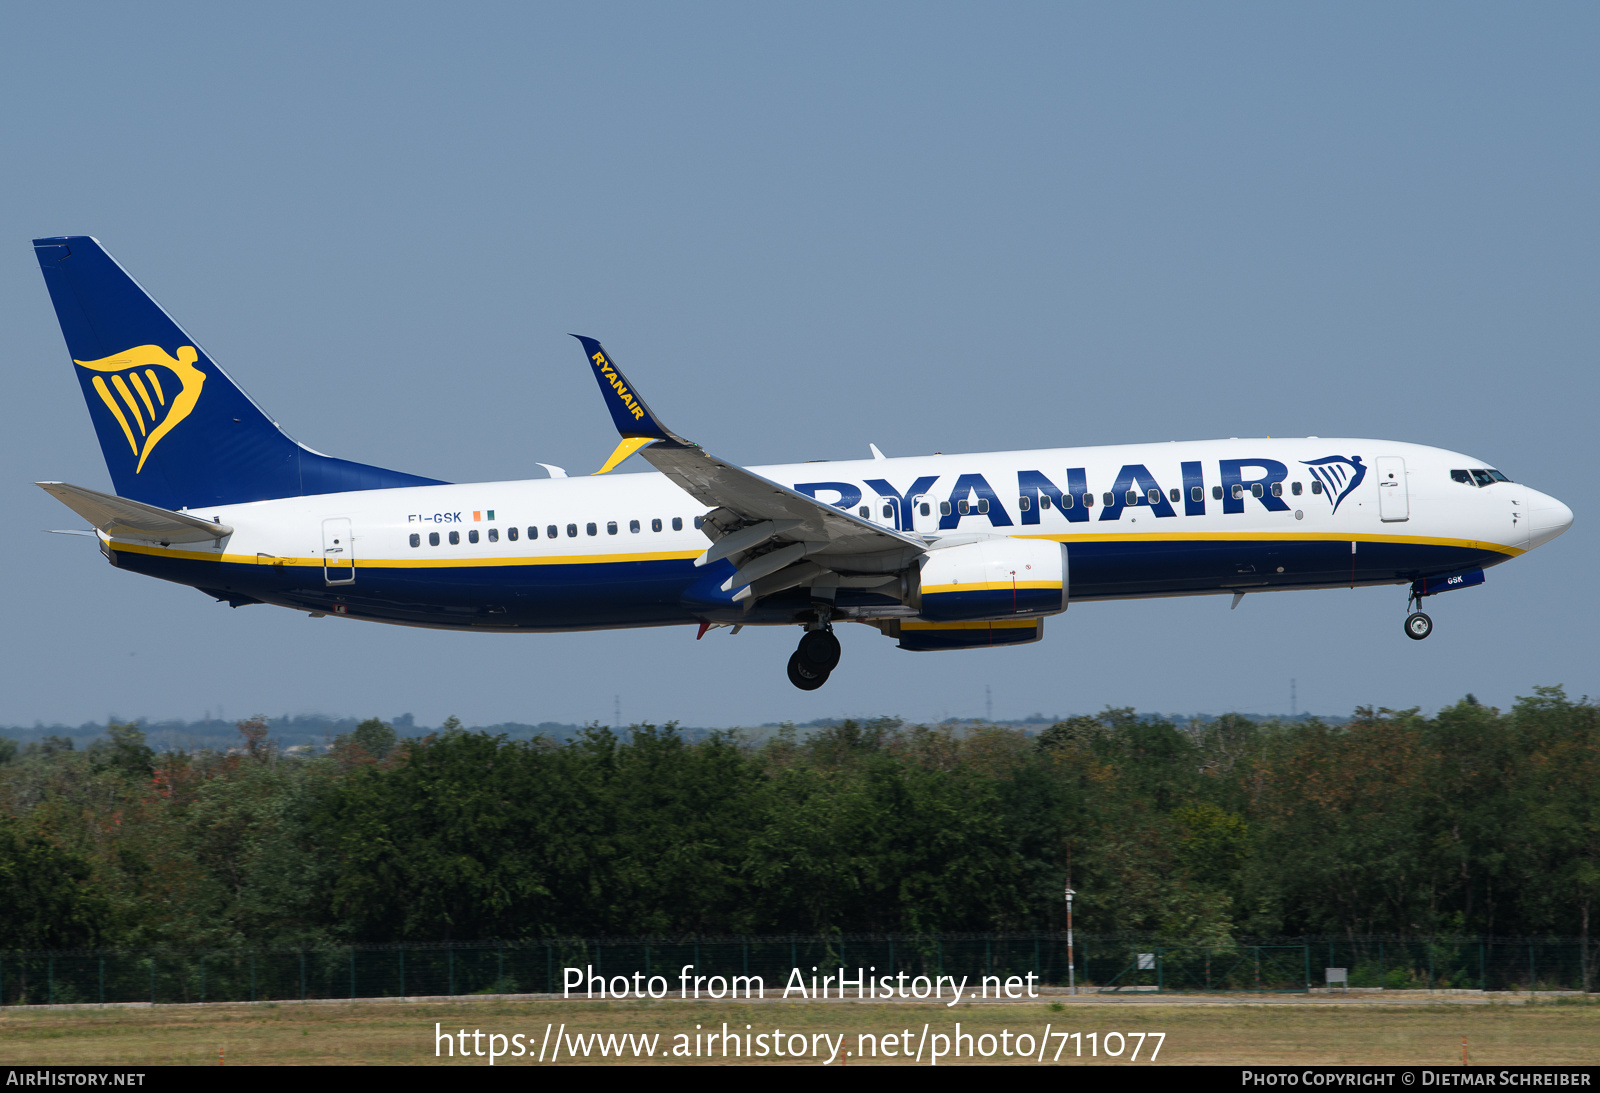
<point>1418,625</point>
<point>815,660</point>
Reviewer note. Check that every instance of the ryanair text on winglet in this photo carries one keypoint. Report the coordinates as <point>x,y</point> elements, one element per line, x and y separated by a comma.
<point>610,374</point>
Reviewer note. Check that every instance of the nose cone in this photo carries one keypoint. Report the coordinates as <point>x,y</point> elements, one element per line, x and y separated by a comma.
<point>1547,518</point>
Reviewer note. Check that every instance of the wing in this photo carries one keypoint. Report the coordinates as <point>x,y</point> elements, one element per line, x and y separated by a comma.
<point>776,537</point>
<point>122,518</point>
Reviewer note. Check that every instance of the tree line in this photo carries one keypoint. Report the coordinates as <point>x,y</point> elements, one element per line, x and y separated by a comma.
<point>1472,821</point>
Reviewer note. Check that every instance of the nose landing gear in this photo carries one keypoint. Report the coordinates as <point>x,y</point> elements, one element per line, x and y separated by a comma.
<point>818,655</point>
<point>1418,625</point>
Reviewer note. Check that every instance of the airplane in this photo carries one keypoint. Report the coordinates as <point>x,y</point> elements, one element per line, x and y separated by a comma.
<point>938,552</point>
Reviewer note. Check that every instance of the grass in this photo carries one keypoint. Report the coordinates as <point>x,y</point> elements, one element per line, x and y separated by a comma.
<point>1234,1032</point>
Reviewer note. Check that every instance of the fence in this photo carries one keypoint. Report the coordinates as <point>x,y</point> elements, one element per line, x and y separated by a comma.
<point>466,968</point>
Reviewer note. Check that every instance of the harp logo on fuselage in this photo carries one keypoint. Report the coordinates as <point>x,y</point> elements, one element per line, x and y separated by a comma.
<point>1339,476</point>
<point>138,399</point>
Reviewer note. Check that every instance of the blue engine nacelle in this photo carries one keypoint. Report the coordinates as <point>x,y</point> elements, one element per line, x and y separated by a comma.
<point>922,637</point>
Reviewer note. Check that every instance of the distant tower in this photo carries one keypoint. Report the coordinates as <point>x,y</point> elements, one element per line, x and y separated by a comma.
<point>988,704</point>
<point>616,711</point>
<point>1294,702</point>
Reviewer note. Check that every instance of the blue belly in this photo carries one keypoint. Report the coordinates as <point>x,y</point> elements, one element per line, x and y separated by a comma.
<point>607,595</point>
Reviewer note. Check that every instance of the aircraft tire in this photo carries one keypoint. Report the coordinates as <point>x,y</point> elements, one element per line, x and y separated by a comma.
<point>802,676</point>
<point>1418,626</point>
<point>820,651</point>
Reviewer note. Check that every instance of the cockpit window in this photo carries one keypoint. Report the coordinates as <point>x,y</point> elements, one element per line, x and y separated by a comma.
<point>1478,476</point>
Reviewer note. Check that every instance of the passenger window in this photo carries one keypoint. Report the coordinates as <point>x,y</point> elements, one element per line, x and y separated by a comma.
<point>611,527</point>
<point>865,512</point>
<point>1216,493</point>
<point>633,526</point>
<point>494,535</point>
<point>550,531</point>
<point>962,507</point>
<point>698,520</point>
<point>416,540</point>
<point>572,531</point>
<point>677,523</point>
<point>983,504</point>
<point>433,538</point>
<point>1044,500</point>
<point>455,538</point>
<point>1023,504</point>
<point>511,534</point>
<point>591,528</point>
<point>472,536</point>
<point>1464,477</point>
<point>1174,494</point>
<point>655,525</point>
<point>926,509</point>
<point>1131,497</point>
<point>1295,489</point>
<point>1088,500</point>
<point>1154,497</point>
<point>1066,500</point>
<point>1109,499</point>
<point>944,508</point>
<point>1256,490</point>
<point>1316,487</point>
<point>888,510</point>
<point>1197,493</point>
<point>1277,489</point>
<point>1238,491</point>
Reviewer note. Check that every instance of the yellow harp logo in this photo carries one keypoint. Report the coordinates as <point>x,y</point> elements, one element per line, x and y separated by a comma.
<point>139,388</point>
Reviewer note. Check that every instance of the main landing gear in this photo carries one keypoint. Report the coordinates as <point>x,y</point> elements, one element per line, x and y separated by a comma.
<point>1418,625</point>
<point>818,655</point>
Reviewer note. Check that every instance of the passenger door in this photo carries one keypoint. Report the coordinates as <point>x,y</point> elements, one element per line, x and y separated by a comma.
<point>338,552</point>
<point>1394,505</point>
<point>924,513</point>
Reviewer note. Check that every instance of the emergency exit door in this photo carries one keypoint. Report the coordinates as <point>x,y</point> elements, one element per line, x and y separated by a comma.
<point>338,553</point>
<point>1393,503</point>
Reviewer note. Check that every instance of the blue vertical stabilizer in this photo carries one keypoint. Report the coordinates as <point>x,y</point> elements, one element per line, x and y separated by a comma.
<point>175,430</point>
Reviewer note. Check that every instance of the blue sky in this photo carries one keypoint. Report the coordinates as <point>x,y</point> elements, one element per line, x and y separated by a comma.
<point>800,230</point>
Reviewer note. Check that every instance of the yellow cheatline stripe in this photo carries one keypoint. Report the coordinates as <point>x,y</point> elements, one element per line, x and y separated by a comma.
<point>127,396</point>
<point>138,384</point>
<point>989,586</point>
<point>155,382</point>
<point>1273,536</point>
<point>628,446</point>
<point>1003,624</point>
<point>407,563</point>
<point>116,412</point>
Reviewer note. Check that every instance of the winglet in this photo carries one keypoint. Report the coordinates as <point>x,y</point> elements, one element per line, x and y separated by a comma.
<point>632,417</point>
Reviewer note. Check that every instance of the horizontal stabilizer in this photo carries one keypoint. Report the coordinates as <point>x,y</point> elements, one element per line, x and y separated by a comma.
<point>121,518</point>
